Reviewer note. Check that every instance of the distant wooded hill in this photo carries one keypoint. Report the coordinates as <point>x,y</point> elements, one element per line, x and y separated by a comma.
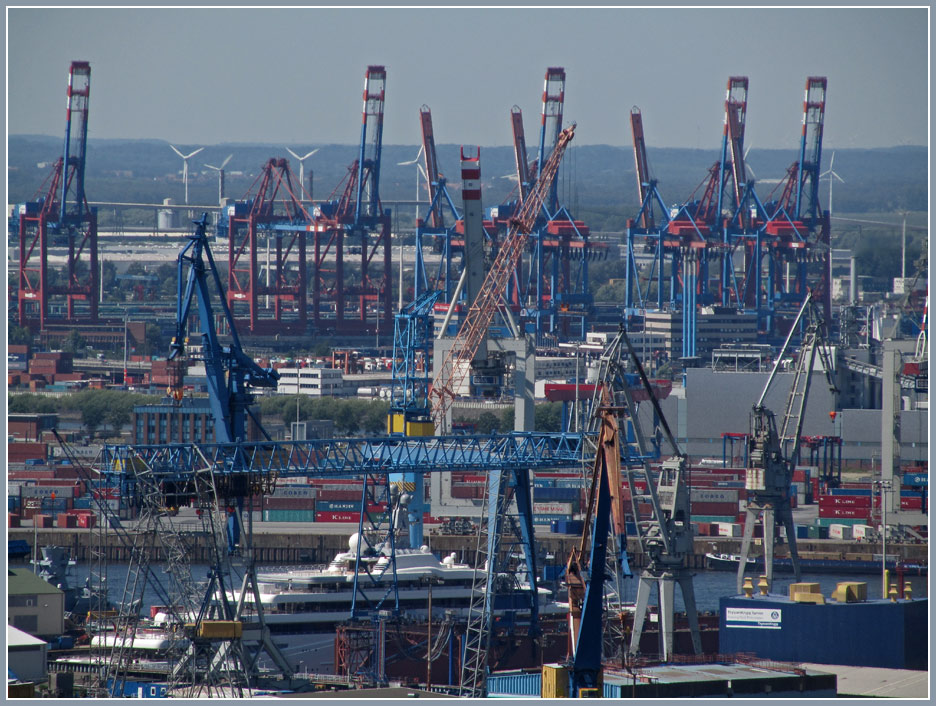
<point>597,182</point>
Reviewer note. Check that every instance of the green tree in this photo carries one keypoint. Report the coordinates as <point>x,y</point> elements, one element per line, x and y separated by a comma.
<point>74,342</point>
<point>19,336</point>
<point>31,404</point>
<point>488,423</point>
<point>548,416</point>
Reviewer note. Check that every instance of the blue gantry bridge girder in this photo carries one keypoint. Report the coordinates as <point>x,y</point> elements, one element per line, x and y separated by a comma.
<point>348,457</point>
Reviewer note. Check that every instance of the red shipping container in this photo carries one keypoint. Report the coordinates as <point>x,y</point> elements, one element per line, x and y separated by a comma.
<point>82,511</point>
<point>338,494</point>
<point>848,512</point>
<point>337,517</point>
<point>912,502</point>
<point>87,521</point>
<point>288,503</point>
<point>714,508</point>
<point>66,521</point>
<point>702,528</point>
<point>42,521</point>
<point>13,519</point>
<point>844,501</point>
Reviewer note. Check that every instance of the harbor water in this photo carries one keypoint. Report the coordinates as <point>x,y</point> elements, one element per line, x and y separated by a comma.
<point>709,586</point>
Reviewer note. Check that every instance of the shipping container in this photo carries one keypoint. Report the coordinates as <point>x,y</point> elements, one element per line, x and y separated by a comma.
<point>729,529</point>
<point>555,494</point>
<point>717,519</point>
<point>713,495</point>
<point>729,508</point>
<point>328,494</point>
<point>824,522</point>
<point>560,509</point>
<point>840,531</point>
<point>850,512</point>
<point>293,491</point>
<point>288,503</point>
<point>289,515</point>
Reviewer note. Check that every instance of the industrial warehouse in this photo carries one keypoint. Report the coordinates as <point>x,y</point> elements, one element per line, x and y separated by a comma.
<point>308,442</point>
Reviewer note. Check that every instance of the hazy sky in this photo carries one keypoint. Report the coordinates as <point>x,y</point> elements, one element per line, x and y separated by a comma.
<point>295,76</point>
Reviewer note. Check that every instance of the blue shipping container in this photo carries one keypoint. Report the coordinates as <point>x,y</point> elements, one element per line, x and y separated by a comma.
<point>515,684</point>
<point>555,494</point>
<point>916,479</point>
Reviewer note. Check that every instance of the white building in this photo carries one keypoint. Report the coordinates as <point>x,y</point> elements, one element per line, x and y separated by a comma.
<point>26,656</point>
<point>318,382</point>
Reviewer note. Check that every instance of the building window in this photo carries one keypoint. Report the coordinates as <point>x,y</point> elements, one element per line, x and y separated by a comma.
<point>26,600</point>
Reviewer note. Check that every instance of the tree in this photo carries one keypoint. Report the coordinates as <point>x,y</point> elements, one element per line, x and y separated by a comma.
<point>548,416</point>
<point>488,423</point>
<point>74,342</point>
<point>153,342</point>
<point>19,336</point>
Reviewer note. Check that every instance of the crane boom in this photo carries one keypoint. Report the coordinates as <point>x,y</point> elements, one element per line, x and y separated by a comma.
<point>641,164</point>
<point>432,165</point>
<point>520,152</point>
<point>474,329</point>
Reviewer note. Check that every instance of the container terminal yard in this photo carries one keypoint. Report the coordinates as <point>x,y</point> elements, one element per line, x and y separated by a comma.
<point>544,471</point>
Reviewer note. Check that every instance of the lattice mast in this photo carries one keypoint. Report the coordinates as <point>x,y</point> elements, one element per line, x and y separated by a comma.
<point>474,329</point>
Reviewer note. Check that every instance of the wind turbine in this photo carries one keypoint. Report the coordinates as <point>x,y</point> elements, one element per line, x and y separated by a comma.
<point>185,159</point>
<point>419,170</point>
<point>220,171</point>
<point>831,173</point>
<point>302,170</point>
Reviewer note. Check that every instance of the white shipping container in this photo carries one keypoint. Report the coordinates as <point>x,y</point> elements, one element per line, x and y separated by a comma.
<point>44,491</point>
<point>729,529</point>
<point>840,532</point>
<point>552,509</point>
<point>713,495</point>
<point>862,531</point>
<point>290,491</point>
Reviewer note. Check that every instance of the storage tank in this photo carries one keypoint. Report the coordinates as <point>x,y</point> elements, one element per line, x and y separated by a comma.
<point>166,218</point>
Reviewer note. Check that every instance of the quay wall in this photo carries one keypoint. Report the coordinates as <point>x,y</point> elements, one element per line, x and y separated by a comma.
<point>292,547</point>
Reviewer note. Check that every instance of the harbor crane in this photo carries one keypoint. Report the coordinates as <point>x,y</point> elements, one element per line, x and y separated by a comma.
<point>474,329</point>
<point>61,217</point>
<point>774,453</point>
<point>660,510</point>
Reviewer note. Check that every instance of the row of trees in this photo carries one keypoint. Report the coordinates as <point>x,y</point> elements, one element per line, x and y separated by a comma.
<point>351,416</point>
<point>104,410</point>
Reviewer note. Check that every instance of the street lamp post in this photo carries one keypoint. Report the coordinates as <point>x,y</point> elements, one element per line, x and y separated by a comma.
<point>883,485</point>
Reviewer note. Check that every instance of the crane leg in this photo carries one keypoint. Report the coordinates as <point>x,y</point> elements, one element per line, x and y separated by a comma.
<point>640,614</point>
<point>769,522</point>
<point>667,614</point>
<point>750,518</point>
<point>692,613</point>
<point>787,519</point>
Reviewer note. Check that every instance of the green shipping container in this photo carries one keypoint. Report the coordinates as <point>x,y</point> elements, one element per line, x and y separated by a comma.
<point>289,515</point>
<point>851,522</point>
<point>713,518</point>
